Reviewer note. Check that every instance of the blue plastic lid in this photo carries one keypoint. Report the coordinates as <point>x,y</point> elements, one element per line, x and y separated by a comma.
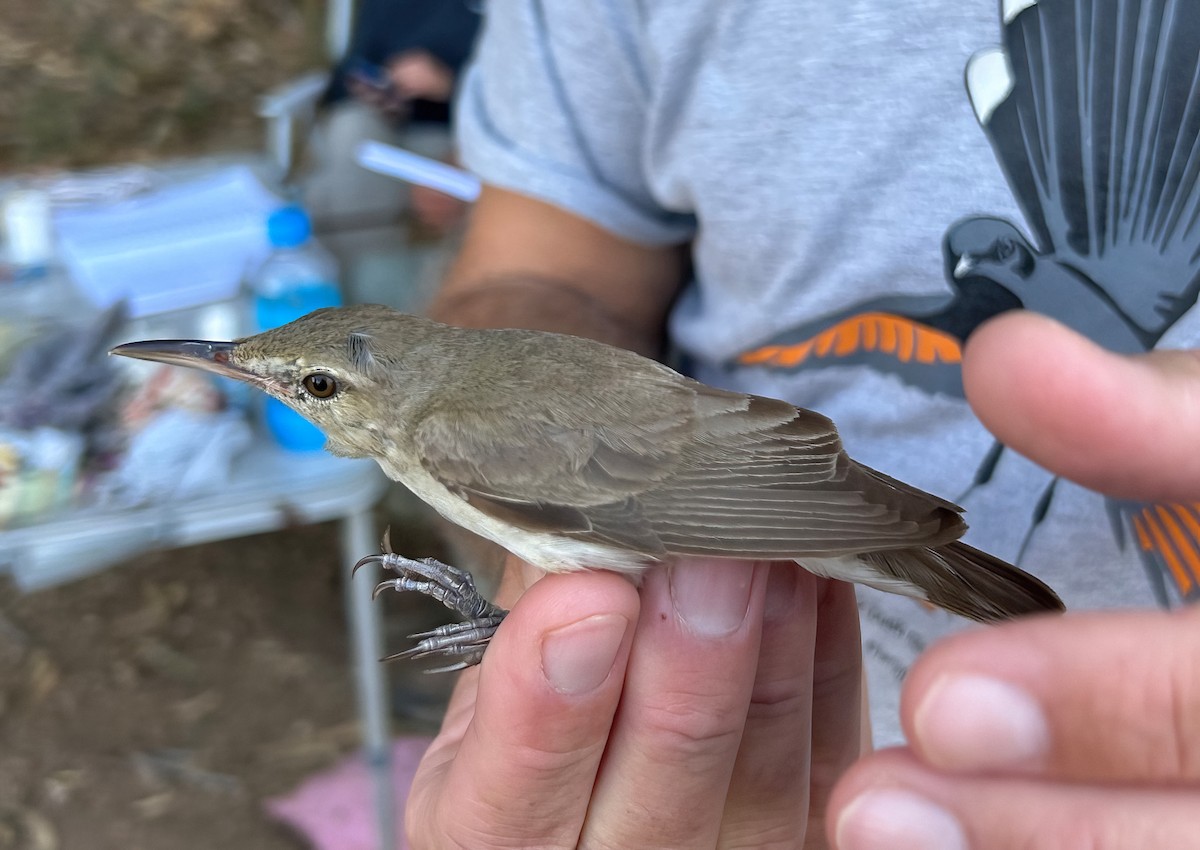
<point>291,430</point>
<point>288,227</point>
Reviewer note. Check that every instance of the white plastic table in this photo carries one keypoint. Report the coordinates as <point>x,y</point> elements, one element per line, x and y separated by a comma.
<point>271,489</point>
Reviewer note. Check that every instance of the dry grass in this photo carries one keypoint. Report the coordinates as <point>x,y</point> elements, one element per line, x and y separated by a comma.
<point>89,82</point>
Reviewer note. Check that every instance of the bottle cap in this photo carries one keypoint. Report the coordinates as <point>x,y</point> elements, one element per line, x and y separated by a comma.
<point>288,227</point>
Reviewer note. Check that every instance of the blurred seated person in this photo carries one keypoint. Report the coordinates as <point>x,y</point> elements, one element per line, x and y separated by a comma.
<point>394,85</point>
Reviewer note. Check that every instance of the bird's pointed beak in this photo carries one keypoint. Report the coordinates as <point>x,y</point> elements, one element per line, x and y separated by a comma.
<point>195,353</point>
<point>964,266</point>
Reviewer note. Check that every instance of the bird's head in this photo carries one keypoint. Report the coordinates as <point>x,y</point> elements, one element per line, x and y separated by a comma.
<point>341,368</point>
<point>987,247</point>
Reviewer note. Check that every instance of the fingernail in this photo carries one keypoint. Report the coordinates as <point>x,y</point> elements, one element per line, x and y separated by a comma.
<point>711,596</point>
<point>977,722</point>
<point>578,658</point>
<point>897,820</point>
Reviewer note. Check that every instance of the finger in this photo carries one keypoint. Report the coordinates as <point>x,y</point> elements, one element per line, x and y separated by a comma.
<point>515,766</point>
<point>767,803</point>
<point>360,90</point>
<point>1095,697</point>
<point>803,712</point>
<point>665,776</point>
<point>1127,426</point>
<point>837,710</point>
<point>889,801</point>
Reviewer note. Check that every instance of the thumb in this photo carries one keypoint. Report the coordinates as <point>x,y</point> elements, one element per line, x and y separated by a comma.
<point>1127,426</point>
<point>517,756</point>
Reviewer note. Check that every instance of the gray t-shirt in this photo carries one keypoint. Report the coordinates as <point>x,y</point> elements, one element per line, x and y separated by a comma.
<point>814,155</point>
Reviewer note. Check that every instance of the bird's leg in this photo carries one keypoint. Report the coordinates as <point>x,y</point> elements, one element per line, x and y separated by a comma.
<point>463,642</point>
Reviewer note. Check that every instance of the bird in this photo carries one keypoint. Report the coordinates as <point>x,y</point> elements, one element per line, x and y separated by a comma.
<point>573,454</point>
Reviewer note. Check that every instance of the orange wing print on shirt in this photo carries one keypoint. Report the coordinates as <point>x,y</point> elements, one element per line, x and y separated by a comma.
<point>907,340</point>
<point>1169,536</point>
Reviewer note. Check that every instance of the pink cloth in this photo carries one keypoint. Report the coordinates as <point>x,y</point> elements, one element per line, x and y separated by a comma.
<point>335,810</point>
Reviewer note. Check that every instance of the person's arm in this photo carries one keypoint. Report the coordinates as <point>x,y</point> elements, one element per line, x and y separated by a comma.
<point>525,263</point>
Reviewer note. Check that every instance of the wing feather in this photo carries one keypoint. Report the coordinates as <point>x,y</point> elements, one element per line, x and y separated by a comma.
<point>679,469</point>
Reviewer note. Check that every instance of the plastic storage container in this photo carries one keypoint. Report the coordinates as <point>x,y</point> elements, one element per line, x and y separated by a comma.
<point>298,277</point>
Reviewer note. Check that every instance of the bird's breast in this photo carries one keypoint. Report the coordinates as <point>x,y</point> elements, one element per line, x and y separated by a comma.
<point>549,551</point>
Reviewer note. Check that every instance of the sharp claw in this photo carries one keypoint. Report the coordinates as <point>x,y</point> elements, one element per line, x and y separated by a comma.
<point>390,584</point>
<point>448,668</point>
<point>409,654</point>
<point>362,562</point>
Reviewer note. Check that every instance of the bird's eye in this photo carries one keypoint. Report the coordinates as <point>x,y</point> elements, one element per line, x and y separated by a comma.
<point>320,385</point>
<point>1005,249</point>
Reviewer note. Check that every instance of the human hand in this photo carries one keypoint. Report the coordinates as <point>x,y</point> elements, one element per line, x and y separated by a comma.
<point>1125,426</point>
<point>418,74</point>
<point>1078,731</point>
<point>708,712</point>
<point>377,94</point>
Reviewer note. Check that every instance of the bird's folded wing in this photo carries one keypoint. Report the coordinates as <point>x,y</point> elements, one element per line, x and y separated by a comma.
<point>692,471</point>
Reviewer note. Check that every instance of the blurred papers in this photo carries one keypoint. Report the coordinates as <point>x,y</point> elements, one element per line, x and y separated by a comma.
<point>183,245</point>
<point>414,168</point>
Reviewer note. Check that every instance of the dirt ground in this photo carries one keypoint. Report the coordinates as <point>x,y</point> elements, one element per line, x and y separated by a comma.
<point>95,82</point>
<point>157,704</point>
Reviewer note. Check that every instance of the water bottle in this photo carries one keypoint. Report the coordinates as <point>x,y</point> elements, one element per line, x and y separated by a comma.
<point>298,277</point>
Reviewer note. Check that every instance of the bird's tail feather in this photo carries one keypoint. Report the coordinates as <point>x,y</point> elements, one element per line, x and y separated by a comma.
<point>967,581</point>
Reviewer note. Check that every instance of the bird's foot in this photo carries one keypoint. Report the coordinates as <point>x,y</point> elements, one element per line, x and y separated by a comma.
<point>462,643</point>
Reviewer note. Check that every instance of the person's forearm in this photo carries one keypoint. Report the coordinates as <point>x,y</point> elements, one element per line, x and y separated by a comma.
<point>525,263</point>
<point>541,303</point>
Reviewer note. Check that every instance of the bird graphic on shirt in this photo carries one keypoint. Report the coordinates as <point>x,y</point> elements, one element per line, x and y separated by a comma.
<point>1093,112</point>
